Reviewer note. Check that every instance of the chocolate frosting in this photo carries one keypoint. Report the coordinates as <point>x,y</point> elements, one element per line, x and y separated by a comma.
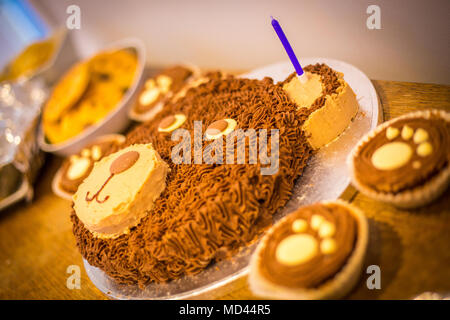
<point>407,176</point>
<point>321,267</point>
<point>179,75</point>
<point>206,212</point>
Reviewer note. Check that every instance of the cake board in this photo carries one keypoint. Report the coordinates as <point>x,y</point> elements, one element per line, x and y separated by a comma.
<point>325,178</point>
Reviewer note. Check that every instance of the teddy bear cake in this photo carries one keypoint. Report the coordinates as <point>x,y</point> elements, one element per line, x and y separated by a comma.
<point>168,218</point>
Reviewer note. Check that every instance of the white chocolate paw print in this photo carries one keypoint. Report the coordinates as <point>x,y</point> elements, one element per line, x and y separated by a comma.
<point>154,88</point>
<point>172,122</point>
<point>79,164</point>
<point>396,154</point>
<point>301,246</point>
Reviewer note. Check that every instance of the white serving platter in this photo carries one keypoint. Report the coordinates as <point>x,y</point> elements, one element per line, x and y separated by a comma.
<point>325,178</point>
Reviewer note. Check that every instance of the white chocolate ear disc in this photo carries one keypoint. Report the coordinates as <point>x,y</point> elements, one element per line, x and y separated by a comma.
<point>172,122</point>
<point>220,128</point>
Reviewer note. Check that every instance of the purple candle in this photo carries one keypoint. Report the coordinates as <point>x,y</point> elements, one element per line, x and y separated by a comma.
<point>287,47</point>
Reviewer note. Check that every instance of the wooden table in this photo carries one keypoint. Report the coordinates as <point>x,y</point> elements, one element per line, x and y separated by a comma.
<point>412,248</point>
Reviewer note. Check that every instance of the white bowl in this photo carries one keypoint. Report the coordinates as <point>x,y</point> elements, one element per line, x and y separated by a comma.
<point>115,121</point>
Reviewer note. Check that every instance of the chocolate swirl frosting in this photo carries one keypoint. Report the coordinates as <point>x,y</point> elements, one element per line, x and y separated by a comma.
<point>206,212</point>
<point>418,169</point>
<point>319,268</point>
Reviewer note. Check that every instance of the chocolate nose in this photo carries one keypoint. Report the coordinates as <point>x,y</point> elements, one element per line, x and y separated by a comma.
<point>124,162</point>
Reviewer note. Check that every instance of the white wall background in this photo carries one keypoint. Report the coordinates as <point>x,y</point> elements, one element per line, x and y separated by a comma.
<point>413,44</point>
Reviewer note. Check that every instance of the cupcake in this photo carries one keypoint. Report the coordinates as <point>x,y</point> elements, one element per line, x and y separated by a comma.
<point>316,252</point>
<point>404,161</point>
<point>77,167</point>
<point>157,90</point>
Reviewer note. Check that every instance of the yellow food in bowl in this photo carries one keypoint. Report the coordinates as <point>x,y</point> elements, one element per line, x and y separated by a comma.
<point>88,92</point>
<point>29,60</point>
